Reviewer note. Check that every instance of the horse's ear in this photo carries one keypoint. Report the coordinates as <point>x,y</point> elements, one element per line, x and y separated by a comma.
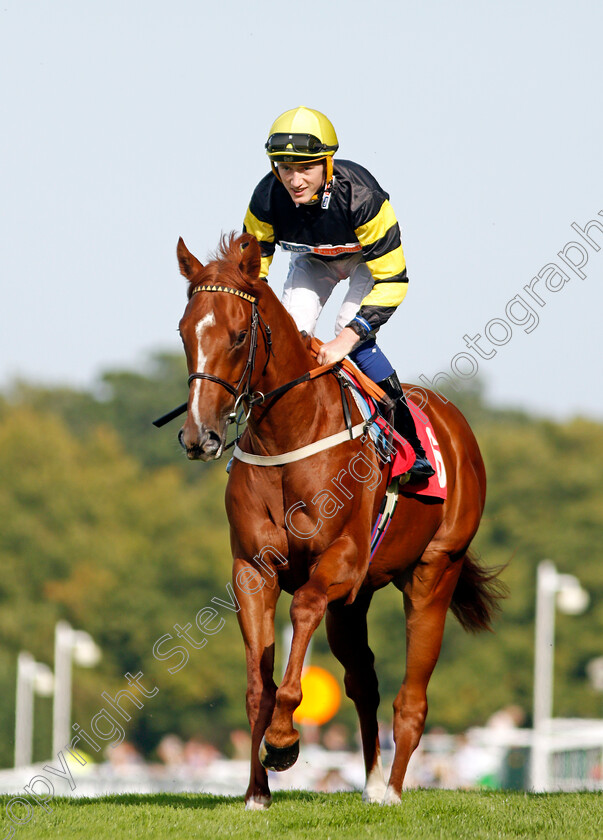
<point>189,264</point>
<point>251,256</point>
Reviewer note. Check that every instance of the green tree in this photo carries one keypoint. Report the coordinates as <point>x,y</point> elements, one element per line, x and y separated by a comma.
<point>124,553</point>
<point>128,401</point>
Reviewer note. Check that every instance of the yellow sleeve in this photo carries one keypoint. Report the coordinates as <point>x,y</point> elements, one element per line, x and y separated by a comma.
<point>264,233</point>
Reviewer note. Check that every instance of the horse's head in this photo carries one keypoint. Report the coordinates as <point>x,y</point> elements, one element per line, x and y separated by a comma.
<point>219,330</point>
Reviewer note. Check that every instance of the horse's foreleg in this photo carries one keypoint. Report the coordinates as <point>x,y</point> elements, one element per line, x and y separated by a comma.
<point>348,639</point>
<point>256,618</point>
<point>426,601</point>
<point>332,579</point>
<point>280,747</point>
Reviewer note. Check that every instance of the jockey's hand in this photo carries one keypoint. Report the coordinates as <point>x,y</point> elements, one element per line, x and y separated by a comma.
<point>338,349</point>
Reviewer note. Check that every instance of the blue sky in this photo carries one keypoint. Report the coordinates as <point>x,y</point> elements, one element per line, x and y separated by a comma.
<point>126,125</point>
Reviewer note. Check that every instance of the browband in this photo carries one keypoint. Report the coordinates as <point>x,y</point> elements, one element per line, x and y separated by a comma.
<point>204,288</point>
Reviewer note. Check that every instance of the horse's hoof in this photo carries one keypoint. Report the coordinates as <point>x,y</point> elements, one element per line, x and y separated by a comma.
<point>278,758</point>
<point>373,798</point>
<point>375,787</point>
<point>374,793</point>
<point>258,803</point>
<point>391,797</point>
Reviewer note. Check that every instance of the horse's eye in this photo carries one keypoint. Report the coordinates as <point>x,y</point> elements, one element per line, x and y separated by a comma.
<point>240,338</point>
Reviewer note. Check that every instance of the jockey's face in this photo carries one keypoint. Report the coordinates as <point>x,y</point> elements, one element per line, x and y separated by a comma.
<point>302,180</point>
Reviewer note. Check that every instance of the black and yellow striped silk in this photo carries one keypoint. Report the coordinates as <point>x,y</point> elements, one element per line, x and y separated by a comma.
<point>359,219</point>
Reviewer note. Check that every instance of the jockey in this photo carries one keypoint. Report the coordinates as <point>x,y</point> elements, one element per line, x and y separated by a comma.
<point>336,222</point>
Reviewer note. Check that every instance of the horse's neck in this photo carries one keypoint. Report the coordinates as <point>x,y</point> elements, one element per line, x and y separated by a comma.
<point>301,414</point>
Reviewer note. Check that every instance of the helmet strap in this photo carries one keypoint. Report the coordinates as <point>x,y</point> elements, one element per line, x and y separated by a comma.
<point>326,194</point>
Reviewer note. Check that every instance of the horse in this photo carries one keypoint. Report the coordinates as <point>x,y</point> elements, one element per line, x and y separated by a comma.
<point>288,532</point>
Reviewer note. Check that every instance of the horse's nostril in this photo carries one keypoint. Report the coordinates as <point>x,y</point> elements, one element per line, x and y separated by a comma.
<point>212,442</point>
<point>204,443</point>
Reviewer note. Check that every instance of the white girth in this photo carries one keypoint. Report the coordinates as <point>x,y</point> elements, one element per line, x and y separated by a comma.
<point>302,452</point>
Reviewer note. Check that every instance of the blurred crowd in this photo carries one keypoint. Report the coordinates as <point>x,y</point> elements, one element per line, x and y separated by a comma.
<point>330,759</point>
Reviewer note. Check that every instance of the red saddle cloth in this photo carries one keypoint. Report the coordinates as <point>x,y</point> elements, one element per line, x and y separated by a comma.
<point>404,457</point>
<point>434,486</point>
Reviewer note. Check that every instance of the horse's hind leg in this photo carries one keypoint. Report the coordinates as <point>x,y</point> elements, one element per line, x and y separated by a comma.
<point>427,597</point>
<point>347,635</point>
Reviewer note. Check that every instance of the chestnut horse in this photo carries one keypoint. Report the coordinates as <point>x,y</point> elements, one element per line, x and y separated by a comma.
<point>290,533</point>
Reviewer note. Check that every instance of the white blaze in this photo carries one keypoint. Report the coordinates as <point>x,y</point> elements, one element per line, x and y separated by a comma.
<point>207,321</point>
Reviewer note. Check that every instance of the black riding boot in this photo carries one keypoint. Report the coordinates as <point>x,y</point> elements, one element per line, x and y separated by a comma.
<point>405,425</point>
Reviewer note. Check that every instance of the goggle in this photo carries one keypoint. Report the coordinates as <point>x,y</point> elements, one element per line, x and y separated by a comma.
<point>303,144</point>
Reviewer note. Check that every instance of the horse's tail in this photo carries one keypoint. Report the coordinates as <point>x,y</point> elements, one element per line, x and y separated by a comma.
<point>478,592</point>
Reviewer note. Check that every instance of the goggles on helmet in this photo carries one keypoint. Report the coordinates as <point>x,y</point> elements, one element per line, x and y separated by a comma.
<point>301,144</point>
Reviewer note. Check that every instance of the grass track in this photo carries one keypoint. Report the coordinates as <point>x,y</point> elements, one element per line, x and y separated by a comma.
<point>425,814</point>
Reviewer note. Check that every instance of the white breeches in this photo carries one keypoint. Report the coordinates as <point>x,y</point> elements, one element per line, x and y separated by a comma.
<point>310,282</point>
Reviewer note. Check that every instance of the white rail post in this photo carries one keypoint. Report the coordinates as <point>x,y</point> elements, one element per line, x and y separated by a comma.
<point>24,709</point>
<point>32,678</point>
<point>69,644</point>
<point>571,599</point>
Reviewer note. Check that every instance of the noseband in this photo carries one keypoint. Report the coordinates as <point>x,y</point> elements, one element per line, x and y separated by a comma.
<point>256,319</point>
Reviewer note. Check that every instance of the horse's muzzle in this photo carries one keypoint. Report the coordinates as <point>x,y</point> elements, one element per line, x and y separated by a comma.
<point>207,445</point>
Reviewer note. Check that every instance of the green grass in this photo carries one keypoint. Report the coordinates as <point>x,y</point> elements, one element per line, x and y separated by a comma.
<point>424,814</point>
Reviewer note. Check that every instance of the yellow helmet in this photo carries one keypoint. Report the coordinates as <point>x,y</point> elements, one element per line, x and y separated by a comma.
<point>301,134</point>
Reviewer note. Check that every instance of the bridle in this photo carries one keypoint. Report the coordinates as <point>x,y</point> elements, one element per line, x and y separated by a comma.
<point>256,321</point>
